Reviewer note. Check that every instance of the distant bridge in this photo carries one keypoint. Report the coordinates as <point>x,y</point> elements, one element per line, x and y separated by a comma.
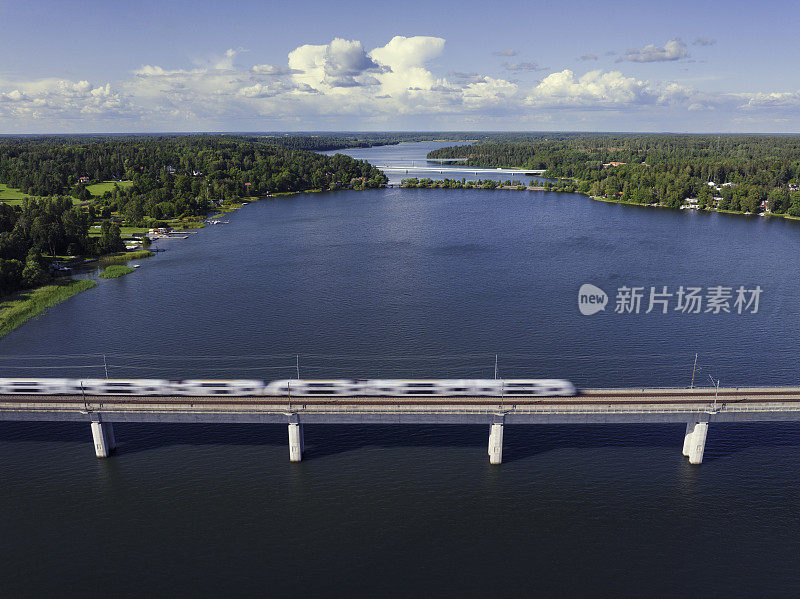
<point>696,408</point>
<point>461,169</point>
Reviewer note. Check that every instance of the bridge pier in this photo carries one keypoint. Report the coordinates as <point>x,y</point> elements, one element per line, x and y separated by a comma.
<point>687,440</point>
<point>698,445</point>
<point>296,442</point>
<point>496,443</point>
<point>103,437</point>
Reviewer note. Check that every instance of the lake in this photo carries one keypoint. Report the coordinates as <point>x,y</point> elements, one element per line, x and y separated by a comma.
<point>416,283</point>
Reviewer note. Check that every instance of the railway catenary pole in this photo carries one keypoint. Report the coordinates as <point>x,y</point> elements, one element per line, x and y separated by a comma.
<point>693,371</point>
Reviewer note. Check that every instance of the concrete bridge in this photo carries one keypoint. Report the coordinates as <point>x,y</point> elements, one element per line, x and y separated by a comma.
<point>696,408</point>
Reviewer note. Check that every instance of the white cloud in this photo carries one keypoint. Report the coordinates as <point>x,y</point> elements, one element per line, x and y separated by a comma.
<point>780,100</point>
<point>342,63</point>
<point>403,53</point>
<point>594,89</point>
<point>674,49</point>
<point>61,99</point>
<point>343,83</point>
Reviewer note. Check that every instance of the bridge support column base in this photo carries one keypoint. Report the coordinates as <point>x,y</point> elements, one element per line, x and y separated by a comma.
<point>698,445</point>
<point>687,439</point>
<point>103,437</point>
<point>295,442</point>
<point>496,444</point>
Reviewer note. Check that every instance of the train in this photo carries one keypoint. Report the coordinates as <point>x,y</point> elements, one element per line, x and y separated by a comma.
<point>291,387</point>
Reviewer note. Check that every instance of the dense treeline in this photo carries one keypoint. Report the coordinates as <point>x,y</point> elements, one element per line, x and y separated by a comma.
<point>428,183</point>
<point>761,172</point>
<point>170,177</point>
<point>324,143</point>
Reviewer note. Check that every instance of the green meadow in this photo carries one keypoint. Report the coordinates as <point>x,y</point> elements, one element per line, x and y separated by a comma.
<point>99,189</point>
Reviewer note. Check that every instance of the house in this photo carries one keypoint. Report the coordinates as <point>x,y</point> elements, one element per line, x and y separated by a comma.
<point>607,164</point>
<point>170,170</point>
<point>83,180</point>
<point>691,204</point>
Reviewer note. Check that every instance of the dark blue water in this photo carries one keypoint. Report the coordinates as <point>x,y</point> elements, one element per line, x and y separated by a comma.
<point>414,283</point>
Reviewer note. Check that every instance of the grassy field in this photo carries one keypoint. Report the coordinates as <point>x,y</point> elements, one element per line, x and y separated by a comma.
<point>94,231</point>
<point>9,195</point>
<point>99,189</point>
<point>21,307</point>
<point>116,270</point>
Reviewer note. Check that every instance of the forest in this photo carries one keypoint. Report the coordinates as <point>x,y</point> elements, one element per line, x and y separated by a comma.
<point>750,173</point>
<point>167,177</point>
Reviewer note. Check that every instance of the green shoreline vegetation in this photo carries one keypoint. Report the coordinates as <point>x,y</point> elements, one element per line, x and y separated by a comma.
<point>114,271</point>
<point>76,197</point>
<point>68,199</point>
<point>17,309</point>
<point>744,174</point>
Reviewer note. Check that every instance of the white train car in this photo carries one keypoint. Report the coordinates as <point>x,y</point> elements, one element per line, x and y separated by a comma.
<point>23,386</point>
<point>421,387</point>
<point>121,387</point>
<point>310,388</point>
<point>292,387</point>
<point>198,387</point>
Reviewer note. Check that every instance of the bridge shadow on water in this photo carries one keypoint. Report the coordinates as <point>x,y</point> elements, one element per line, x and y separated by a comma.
<point>520,442</point>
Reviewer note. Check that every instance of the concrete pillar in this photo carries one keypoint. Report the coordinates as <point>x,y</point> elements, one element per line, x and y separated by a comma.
<point>101,447</point>
<point>687,440</point>
<point>496,444</point>
<point>111,440</point>
<point>295,443</point>
<point>698,445</point>
<point>302,440</point>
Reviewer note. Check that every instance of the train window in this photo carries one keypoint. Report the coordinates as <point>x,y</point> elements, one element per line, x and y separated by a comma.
<point>211,384</point>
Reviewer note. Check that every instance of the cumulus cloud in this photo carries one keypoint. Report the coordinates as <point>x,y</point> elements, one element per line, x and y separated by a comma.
<point>524,66</point>
<point>674,49</point>
<point>62,99</point>
<point>343,79</point>
<point>779,100</point>
<point>594,89</point>
<point>342,63</point>
<point>408,52</point>
<point>703,41</point>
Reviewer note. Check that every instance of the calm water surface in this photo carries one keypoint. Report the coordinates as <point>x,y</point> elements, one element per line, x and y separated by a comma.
<point>415,283</point>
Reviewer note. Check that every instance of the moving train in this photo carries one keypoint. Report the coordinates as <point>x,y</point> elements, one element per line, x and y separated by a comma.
<point>292,388</point>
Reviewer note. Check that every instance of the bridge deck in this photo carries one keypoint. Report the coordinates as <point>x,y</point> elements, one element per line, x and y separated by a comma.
<point>592,405</point>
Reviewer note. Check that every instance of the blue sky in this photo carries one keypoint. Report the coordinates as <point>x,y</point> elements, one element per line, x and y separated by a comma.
<point>248,66</point>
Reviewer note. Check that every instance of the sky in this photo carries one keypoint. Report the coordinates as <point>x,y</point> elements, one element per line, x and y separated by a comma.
<point>111,66</point>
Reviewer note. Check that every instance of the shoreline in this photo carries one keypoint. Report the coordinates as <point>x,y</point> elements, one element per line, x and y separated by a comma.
<point>595,198</point>
<point>17,309</point>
